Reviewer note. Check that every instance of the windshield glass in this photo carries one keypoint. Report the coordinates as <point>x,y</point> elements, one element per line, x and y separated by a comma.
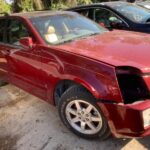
<point>61,28</point>
<point>133,12</point>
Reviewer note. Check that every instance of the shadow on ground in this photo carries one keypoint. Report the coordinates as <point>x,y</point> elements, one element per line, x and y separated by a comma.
<point>145,142</point>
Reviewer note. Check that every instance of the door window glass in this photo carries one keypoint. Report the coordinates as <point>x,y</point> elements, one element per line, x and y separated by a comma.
<point>105,16</point>
<point>86,12</point>
<point>16,30</point>
<point>2,29</point>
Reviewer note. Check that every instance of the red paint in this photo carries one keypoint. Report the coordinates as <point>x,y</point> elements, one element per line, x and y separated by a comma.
<point>26,42</point>
<point>126,119</point>
<point>38,68</point>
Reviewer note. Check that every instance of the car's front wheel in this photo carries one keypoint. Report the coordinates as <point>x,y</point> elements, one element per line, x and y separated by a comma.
<point>80,114</point>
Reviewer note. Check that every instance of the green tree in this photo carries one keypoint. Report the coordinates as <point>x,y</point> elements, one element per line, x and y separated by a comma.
<point>81,2</point>
<point>22,5</point>
<point>29,5</point>
<point>4,7</point>
<point>68,3</point>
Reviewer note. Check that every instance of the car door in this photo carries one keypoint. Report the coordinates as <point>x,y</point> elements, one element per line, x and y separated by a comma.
<point>109,19</point>
<point>3,53</point>
<point>24,63</point>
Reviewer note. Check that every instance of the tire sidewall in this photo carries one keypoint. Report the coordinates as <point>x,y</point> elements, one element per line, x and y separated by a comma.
<point>87,98</point>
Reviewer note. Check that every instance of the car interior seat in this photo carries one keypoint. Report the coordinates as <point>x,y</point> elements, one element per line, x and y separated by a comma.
<point>51,36</point>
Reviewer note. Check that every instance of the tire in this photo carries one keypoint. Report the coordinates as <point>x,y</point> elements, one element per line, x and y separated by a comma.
<point>3,83</point>
<point>80,113</point>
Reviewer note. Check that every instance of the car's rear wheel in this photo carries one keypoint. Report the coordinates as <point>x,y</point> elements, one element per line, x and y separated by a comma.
<point>80,114</point>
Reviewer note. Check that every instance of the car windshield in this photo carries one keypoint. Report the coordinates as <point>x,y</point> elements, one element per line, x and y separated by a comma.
<point>65,27</point>
<point>133,12</point>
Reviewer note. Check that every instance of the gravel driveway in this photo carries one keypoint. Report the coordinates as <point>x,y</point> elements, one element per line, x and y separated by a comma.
<point>27,123</point>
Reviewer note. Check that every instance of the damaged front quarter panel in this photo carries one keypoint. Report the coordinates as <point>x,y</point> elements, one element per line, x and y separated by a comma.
<point>132,117</point>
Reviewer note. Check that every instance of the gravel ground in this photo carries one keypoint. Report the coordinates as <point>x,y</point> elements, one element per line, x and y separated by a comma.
<point>27,123</point>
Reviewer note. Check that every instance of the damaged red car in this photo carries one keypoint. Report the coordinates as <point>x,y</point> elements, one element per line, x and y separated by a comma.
<point>99,79</point>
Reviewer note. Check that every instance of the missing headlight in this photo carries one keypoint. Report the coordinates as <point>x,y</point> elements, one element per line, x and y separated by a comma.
<point>132,86</point>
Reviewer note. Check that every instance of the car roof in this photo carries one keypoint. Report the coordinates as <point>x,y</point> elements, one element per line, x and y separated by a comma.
<point>109,4</point>
<point>144,3</point>
<point>147,2</point>
<point>35,14</point>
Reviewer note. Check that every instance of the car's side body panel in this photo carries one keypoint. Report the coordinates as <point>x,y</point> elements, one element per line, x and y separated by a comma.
<point>24,70</point>
<point>98,78</point>
<point>39,70</point>
<point>3,63</point>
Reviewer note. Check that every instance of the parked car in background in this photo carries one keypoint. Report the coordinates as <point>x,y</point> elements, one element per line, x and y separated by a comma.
<point>100,80</point>
<point>145,4</point>
<point>117,15</point>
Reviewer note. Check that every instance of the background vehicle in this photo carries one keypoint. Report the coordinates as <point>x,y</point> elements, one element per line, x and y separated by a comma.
<point>117,15</point>
<point>98,79</point>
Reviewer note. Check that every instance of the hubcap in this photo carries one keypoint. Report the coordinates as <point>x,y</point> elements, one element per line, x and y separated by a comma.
<point>83,117</point>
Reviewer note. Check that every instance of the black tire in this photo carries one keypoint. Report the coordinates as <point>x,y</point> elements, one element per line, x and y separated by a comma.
<point>80,93</point>
<point>3,83</point>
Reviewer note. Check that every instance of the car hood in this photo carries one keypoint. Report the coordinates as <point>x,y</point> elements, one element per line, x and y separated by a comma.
<point>117,48</point>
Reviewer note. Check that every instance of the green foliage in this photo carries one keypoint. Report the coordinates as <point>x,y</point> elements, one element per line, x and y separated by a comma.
<point>22,5</point>
<point>81,2</point>
<point>4,7</point>
<point>29,5</point>
<point>58,6</point>
<point>61,4</point>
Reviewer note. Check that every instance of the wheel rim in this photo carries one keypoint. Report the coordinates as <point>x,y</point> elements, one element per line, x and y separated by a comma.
<point>83,117</point>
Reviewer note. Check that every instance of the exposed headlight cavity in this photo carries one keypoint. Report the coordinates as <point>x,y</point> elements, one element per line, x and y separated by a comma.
<point>132,85</point>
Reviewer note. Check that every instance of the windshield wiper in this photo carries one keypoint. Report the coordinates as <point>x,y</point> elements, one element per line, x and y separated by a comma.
<point>66,41</point>
<point>87,35</point>
<point>79,37</point>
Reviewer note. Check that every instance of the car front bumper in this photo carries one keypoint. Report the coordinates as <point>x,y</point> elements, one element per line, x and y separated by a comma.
<point>126,120</point>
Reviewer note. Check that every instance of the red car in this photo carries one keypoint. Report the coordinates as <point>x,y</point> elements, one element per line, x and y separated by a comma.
<point>99,79</point>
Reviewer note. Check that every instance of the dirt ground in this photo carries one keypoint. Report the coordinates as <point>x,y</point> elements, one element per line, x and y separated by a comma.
<point>27,123</point>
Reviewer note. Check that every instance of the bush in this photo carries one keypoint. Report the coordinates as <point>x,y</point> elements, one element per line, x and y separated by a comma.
<point>4,7</point>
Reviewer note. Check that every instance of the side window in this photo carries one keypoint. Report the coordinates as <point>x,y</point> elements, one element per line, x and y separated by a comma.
<point>2,29</point>
<point>106,17</point>
<point>86,12</point>
<point>16,30</point>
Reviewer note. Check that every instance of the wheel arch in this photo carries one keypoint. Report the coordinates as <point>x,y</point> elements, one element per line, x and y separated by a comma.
<point>66,83</point>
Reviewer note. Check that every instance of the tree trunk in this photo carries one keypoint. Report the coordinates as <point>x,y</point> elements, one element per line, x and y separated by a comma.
<point>38,5</point>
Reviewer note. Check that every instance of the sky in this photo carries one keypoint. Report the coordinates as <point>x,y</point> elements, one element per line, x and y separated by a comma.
<point>9,1</point>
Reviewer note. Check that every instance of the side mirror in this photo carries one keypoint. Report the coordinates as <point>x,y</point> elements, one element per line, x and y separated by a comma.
<point>116,23</point>
<point>26,42</point>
